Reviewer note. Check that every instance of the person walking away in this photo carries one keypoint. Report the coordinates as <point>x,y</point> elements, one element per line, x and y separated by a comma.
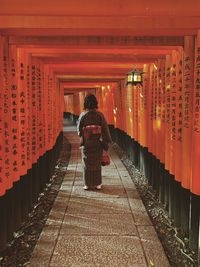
<point>94,138</point>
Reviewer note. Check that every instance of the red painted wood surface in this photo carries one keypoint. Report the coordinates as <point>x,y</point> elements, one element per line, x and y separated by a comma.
<point>195,181</point>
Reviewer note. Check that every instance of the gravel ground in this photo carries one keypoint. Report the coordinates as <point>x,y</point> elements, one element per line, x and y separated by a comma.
<point>18,252</point>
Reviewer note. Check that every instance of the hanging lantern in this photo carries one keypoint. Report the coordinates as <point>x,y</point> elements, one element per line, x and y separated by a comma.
<point>134,77</point>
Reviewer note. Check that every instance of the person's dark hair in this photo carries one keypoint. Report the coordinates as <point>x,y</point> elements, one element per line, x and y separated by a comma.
<point>90,102</point>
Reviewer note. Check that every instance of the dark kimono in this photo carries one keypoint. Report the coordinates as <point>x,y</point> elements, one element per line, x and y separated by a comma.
<point>92,147</point>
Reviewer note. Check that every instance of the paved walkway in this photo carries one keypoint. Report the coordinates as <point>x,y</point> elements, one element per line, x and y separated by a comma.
<point>98,228</point>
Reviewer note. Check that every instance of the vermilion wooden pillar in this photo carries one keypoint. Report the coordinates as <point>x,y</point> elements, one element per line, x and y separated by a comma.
<point>129,113</point>
<point>172,120</point>
<point>110,106</point>
<point>195,155</point>
<point>15,153</point>
<point>155,110</point>
<point>29,111</point>
<point>143,102</point>
<point>142,120</point>
<point>167,112</point>
<point>188,91</point>
<point>167,130</point>
<point>2,175</point>
<point>46,105</point>
<point>162,111</point>
<point>161,149</point>
<point>151,109</point>
<point>136,111</point>
<point>157,120</point>
<point>117,107</point>
<point>123,105</point>
<point>151,123</point>
<point>187,114</point>
<point>195,181</point>
<point>34,111</point>
<point>23,109</point>
<point>119,110</point>
<point>76,104</point>
<point>100,98</point>
<point>179,116</point>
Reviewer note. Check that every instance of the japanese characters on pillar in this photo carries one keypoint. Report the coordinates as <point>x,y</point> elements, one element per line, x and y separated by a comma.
<point>56,91</point>
<point>158,108</point>
<point>167,111</point>
<point>15,153</point>
<point>2,173</point>
<point>55,114</point>
<point>135,108</point>
<point>50,109</point>
<point>23,112</point>
<point>140,114</point>
<point>173,102</point>
<point>155,110</point>
<point>53,98</point>
<point>29,111</point>
<point>179,116</point>
<point>46,107</point>
<point>61,105</point>
<point>151,109</point>
<point>122,110</point>
<point>161,100</point>
<point>195,183</point>
<point>122,95</point>
<point>34,110</point>
<point>39,104</point>
<point>187,100</point>
<point>43,103</point>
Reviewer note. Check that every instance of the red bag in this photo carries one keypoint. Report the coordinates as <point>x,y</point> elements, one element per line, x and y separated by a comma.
<point>105,159</point>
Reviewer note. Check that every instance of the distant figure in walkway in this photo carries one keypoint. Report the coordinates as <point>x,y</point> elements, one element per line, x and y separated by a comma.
<point>94,137</point>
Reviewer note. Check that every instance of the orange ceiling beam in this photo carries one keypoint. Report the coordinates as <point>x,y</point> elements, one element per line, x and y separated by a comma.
<point>132,25</point>
<point>123,50</point>
<point>98,42</point>
<point>46,32</point>
<point>103,8</point>
<point>71,77</point>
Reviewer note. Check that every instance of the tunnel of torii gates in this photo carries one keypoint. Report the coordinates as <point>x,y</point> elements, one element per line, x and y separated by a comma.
<point>45,75</point>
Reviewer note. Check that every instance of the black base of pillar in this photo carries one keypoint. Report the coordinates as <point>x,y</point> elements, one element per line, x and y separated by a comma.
<point>161,190</point>
<point>185,211</point>
<point>183,208</point>
<point>18,201</point>
<point>3,221</point>
<point>177,204</point>
<point>195,223</point>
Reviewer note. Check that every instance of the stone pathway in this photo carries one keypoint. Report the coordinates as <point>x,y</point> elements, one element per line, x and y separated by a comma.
<point>109,227</point>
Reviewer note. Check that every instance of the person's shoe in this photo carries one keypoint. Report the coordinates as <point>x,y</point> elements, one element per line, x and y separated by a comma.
<point>85,187</point>
<point>98,187</point>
